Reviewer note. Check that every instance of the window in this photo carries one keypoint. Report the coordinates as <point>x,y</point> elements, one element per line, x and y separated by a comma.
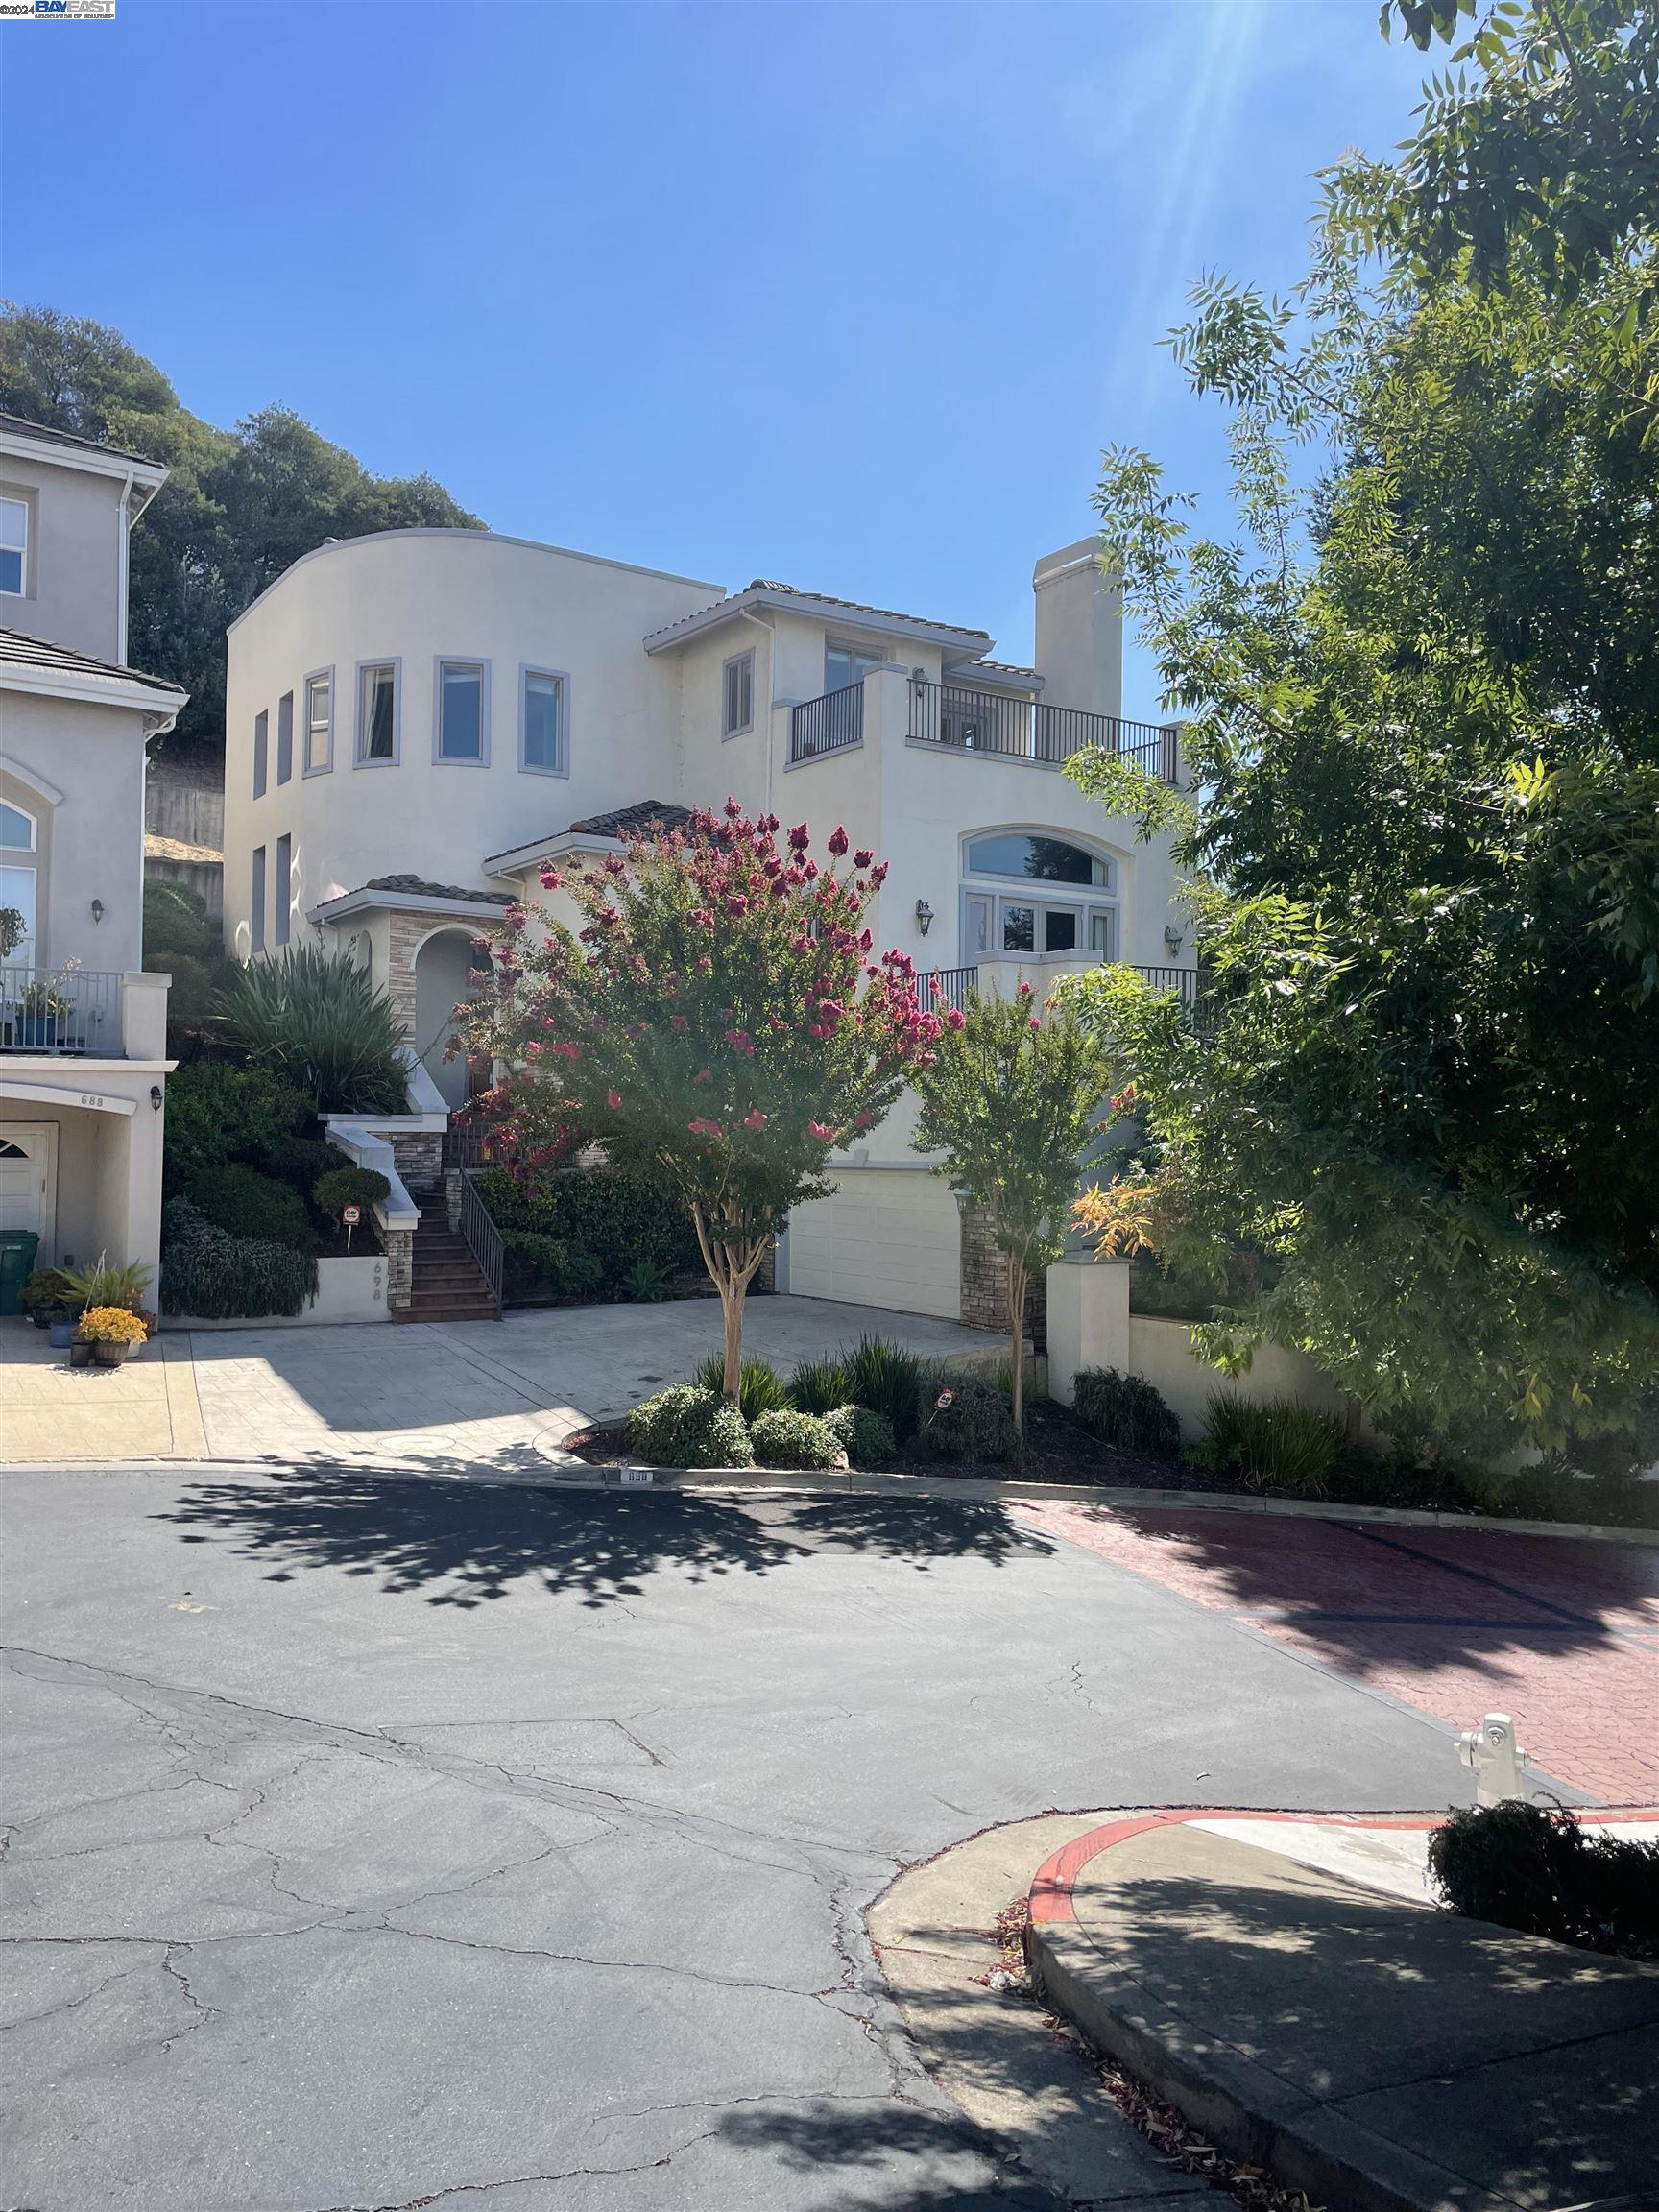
<point>17,889</point>
<point>17,828</point>
<point>541,740</point>
<point>377,711</point>
<point>284,887</point>
<point>261,753</point>
<point>1037,859</point>
<point>284,736</point>
<point>461,728</point>
<point>319,723</point>
<point>14,547</point>
<point>256,901</point>
<point>737,695</point>
<point>845,664</point>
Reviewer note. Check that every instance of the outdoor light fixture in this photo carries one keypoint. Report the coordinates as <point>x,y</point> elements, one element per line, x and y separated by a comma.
<point>154,1098</point>
<point>97,912</point>
<point>923,916</point>
<point>1171,941</point>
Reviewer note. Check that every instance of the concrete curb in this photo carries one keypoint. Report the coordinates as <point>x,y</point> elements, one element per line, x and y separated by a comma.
<point>719,1481</point>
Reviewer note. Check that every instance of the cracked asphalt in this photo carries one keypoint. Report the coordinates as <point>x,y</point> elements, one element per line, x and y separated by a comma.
<point>376,1843</point>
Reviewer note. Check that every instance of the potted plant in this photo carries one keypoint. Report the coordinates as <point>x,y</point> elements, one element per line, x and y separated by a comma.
<point>39,1010</point>
<point>45,1294</point>
<point>101,1285</point>
<point>111,1332</point>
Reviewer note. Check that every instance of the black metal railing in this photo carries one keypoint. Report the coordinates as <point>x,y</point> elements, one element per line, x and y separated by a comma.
<point>938,990</point>
<point>63,1011</point>
<point>820,726</point>
<point>481,1236</point>
<point>1026,729</point>
<point>466,1145</point>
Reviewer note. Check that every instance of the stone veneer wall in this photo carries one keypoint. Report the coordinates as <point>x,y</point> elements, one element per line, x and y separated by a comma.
<point>985,1282</point>
<point>406,934</point>
<point>400,1249</point>
<point>420,1157</point>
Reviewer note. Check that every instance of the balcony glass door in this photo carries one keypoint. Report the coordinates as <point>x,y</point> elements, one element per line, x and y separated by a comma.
<point>845,665</point>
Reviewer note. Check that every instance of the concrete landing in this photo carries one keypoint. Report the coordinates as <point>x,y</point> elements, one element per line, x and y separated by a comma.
<point>1288,1987</point>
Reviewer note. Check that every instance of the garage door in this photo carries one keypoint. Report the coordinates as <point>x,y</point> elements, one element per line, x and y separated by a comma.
<point>891,1238</point>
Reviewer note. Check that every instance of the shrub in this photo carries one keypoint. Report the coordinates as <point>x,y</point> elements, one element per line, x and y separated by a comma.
<point>759,1392</point>
<point>962,1419</point>
<point>884,1377</point>
<point>343,1187</point>
<point>781,1437</point>
<point>317,1020</point>
<point>217,1113</point>
<point>222,1278</point>
<point>865,1436</point>
<point>612,1220</point>
<point>301,1160</point>
<point>687,1427</point>
<point>819,1385</point>
<point>177,925</point>
<point>110,1325</point>
<point>646,1283</point>
<point>1126,1413</point>
<point>1279,1444</point>
<point>244,1203</point>
<point>1535,1869</point>
<point>537,1269</point>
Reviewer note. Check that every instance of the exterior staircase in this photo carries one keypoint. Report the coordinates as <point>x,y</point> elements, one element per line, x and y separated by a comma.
<point>447,1283</point>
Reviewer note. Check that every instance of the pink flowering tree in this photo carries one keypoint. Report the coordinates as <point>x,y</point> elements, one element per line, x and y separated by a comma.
<point>1012,1101</point>
<point>719,1022</point>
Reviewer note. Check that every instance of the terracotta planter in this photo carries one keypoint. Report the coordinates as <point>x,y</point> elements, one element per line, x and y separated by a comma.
<point>107,1355</point>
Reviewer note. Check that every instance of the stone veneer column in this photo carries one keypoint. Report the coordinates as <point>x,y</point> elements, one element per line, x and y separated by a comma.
<point>400,1248</point>
<point>985,1281</point>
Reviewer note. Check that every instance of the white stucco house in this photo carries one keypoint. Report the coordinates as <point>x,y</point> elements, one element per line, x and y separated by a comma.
<point>83,1029</point>
<point>418,721</point>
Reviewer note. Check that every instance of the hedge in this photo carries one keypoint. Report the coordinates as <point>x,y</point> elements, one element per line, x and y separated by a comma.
<point>602,1222</point>
<point>223,1278</point>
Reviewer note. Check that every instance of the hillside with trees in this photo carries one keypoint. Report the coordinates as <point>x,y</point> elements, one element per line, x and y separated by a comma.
<point>239,506</point>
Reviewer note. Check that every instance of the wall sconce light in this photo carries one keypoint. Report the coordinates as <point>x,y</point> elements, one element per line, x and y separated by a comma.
<point>154,1098</point>
<point>97,912</point>
<point>1171,942</point>
<point>923,916</point>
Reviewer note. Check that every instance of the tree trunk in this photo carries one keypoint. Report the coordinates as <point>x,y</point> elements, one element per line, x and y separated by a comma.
<point>732,1295</point>
<point>1017,1336</point>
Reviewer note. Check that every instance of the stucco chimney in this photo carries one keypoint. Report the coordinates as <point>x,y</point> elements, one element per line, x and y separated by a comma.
<point>1079,630</point>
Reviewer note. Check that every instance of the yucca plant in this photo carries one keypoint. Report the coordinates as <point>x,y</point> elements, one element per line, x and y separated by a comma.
<point>759,1389</point>
<point>316,1020</point>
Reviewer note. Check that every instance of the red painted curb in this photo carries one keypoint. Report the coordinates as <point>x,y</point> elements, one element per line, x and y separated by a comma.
<point>1054,1882</point>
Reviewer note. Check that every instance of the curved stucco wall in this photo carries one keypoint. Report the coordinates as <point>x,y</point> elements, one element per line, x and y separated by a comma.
<point>415,598</point>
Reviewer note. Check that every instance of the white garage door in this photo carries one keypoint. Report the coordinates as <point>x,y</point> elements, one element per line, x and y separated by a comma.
<point>891,1238</point>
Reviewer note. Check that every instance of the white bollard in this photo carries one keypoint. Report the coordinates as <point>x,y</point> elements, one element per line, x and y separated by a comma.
<point>1495,1758</point>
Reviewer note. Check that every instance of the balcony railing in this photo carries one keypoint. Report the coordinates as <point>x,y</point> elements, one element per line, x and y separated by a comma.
<point>65,1012</point>
<point>1026,729</point>
<point>820,726</point>
<point>939,989</point>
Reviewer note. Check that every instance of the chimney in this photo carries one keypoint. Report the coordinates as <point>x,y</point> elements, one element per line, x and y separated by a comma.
<point>1079,630</point>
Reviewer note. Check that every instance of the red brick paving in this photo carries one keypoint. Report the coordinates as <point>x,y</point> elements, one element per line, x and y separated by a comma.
<point>1563,1634</point>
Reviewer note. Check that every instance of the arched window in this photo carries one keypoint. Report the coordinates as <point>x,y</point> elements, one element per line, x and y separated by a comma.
<point>19,884</point>
<point>1065,905</point>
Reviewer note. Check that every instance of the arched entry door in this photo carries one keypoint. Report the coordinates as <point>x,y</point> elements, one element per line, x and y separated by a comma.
<point>442,981</point>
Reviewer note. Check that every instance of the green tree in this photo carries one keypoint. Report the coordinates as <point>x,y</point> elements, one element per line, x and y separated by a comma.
<point>1425,736</point>
<point>1012,1101</point>
<point>237,507</point>
<point>718,1024</point>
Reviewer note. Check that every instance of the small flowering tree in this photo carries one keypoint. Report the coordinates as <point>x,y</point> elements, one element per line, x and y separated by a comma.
<point>1012,1101</point>
<point>718,1024</point>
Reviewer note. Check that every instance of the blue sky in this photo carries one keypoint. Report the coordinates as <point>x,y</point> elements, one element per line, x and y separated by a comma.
<point>848,294</point>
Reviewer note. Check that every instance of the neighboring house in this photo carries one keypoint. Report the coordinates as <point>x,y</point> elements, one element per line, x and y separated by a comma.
<point>418,721</point>
<point>83,1030</point>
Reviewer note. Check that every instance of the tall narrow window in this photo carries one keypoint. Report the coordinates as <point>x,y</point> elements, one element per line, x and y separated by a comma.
<point>285,888</point>
<point>17,890</point>
<point>737,701</point>
<point>319,723</point>
<point>13,547</point>
<point>256,901</point>
<point>541,740</point>
<point>284,736</point>
<point>377,711</point>
<point>261,753</point>
<point>460,711</point>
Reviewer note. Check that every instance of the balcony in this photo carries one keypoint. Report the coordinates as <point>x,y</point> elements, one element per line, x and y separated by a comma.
<point>75,1013</point>
<point>941,989</point>
<point>962,720</point>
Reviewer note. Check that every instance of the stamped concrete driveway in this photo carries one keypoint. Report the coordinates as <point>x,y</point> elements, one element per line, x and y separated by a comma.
<point>387,1843</point>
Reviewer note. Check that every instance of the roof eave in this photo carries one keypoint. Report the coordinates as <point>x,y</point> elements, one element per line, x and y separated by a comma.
<point>367,901</point>
<point>946,635</point>
<point>164,702</point>
<point>519,859</point>
<point>93,460</point>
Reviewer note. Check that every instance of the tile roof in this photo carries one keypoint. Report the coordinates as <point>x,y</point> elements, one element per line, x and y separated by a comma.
<point>1006,667</point>
<point>22,651</point>
<point>643,814</point>
<point>765,585</point>
<point>24,428</point>
<point>417,887</point>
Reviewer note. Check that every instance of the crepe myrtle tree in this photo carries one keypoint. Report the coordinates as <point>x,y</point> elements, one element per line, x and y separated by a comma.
<point>719,1024</point>
<point>1012,1101</point>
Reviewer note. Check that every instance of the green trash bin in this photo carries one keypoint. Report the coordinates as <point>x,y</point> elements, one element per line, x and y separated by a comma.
<point>18,1248</point>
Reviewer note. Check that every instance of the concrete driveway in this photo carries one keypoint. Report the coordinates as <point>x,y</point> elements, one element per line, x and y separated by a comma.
<point>383,1843</point>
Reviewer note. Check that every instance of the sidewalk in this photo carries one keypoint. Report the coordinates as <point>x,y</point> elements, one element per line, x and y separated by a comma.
<point>146,1408</point>
<point>1286,1984</point>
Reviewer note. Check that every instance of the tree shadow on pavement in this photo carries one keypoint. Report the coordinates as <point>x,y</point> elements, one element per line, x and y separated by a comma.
<point>894,2141</point>
<point>464,1544</point>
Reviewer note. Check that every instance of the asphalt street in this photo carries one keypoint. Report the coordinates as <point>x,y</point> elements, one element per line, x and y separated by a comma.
<point>385,1844</point>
